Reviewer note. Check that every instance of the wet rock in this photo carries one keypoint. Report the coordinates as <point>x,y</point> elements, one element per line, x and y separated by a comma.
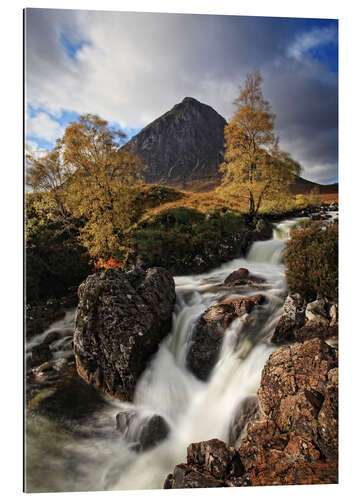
<point>242,277</point>
<point>121,319</point>
<point>244,413</point>
<point>210,464</point>
<point>144,432</point>
<point>40,354</point>
<point>293,317</point>
<point>285,444</point>
<point>208,333</point>
<point>52,337</point>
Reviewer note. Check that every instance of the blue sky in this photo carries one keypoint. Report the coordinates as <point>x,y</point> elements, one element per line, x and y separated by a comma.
<point>129,68</point>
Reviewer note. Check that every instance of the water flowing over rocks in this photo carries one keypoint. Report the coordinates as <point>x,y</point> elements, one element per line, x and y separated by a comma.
<point>144,432</point>
<point>292,439</point>
<point>121,318</point>
<point>208,333</point>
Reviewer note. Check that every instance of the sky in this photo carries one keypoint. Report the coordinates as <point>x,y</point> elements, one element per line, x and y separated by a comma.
<point>129,68</point>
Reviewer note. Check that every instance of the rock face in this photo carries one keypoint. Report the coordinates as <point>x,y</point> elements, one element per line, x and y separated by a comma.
<point>291,439</point>
<point>294,438</point>
<point>207,336</point>
<point>121,318</point>
<point>185,143</point>
<point>210,464</point>
<point>300,322</point>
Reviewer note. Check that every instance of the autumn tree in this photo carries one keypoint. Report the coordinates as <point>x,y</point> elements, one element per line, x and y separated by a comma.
<point>254,167</point>
<point>103,185</point>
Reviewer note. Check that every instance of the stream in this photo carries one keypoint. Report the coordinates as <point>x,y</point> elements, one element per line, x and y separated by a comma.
<point>59,460</point>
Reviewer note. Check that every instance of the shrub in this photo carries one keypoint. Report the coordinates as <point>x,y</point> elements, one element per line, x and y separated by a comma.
<point>54,259</point>
<point>311,259</point>
<point>173,237</point>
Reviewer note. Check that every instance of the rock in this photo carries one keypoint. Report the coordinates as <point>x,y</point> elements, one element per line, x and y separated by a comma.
<point>244,413</point>
<point>145,432</point>
<point>208,333</point>
<point>40,354</point>
<point>121,319</point>
<point>293,317</point>
<point>263,229</point>
<point>316,312</point>
<point>185,143</point>
<point>210,464</point>
<point>333,315</point>
<point>285,444</point>
<point>242,277</point>
<point>52,337</point>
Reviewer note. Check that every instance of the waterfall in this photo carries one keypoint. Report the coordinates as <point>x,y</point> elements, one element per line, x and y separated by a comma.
<point>194,410</point>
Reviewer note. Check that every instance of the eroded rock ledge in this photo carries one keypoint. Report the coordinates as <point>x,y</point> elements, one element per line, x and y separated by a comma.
<point>292,439</point>
<point>121,319</point>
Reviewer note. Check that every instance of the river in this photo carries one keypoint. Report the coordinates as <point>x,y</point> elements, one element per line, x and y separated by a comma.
<point>58,460</point>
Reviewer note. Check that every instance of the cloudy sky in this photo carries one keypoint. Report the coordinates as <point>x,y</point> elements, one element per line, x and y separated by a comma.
<point>132,67</point>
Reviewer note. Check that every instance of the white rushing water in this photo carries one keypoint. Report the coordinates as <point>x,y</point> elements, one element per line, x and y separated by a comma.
<point>195,410</point>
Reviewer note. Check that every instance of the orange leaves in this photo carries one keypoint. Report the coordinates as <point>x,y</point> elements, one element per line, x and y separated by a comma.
<point>110,263</point>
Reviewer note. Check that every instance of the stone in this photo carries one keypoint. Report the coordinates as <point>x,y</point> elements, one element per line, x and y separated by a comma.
<point>40,354</point>
<point>316,312</point>
<point>208,333</point>
<point>242,277</point>
<point>121,319</point>
<point>293,439</point>
<point>244,413</point>
<point>293,317</point>
<point>145,432</point>
<point>210,464</point>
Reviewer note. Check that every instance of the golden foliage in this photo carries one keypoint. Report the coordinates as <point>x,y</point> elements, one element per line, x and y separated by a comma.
<point>254,168</point>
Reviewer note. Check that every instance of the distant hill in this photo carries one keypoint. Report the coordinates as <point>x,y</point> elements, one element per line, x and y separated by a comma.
<point>185,146</point>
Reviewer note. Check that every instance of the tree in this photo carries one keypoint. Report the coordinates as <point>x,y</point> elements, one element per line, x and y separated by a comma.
<point>254,168</point>
<point>103,185</point>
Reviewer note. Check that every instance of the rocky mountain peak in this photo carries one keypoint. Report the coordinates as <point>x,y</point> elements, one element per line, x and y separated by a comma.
<point>185,143</point>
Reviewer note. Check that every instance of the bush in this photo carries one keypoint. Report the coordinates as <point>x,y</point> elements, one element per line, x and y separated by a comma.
<point>173,237</point>
<point>311,259</point>
<point>54,260</point>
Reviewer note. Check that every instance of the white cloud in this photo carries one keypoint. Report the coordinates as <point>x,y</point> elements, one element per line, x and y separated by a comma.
<point>42,126</point>
<point>310,40</point>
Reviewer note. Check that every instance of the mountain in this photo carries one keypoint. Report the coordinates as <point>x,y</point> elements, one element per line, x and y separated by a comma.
<point>184,144</point>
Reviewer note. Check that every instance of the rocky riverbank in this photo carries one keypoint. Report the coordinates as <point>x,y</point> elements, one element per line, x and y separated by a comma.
<point>292,437</point>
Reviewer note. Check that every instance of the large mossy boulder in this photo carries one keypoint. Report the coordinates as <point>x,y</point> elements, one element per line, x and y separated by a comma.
<point>121,319</point>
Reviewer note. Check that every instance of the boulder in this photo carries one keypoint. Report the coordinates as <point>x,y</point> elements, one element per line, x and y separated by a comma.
<point>297,398</point>
<point>293,317</point>
<point>210,464</point>
<point>40,354</point>
<point>207,336</point>
<point>144,432</point>
<point>242,277</point>
<point>300,322</point>
<point>121,319</point>
<point>317,312</point>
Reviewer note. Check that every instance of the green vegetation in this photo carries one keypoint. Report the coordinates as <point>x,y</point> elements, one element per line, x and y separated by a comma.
<point>174,236</point>
<point>55,260</point>
<point>312,261</point>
